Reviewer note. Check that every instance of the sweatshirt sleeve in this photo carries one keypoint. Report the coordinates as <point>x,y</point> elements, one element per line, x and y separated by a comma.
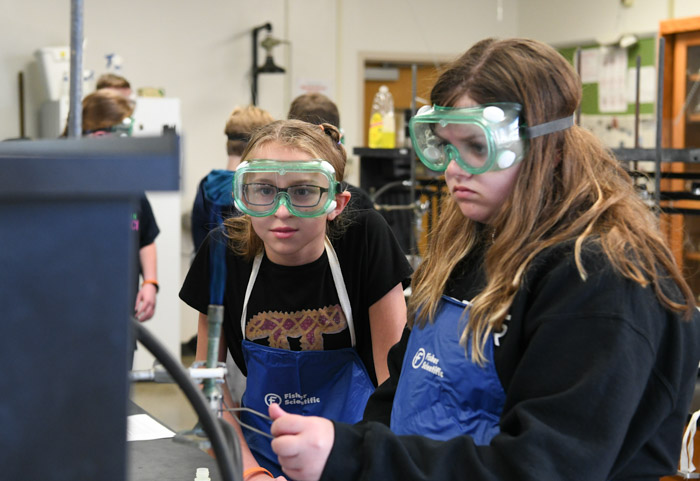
<point>379,404</point>
<point>585,395</point>
<point>200,218</point>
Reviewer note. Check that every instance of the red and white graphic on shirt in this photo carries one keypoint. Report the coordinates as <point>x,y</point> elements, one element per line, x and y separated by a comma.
<point>307,325</point>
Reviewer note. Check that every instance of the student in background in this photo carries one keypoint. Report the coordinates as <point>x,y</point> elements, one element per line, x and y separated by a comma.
<point>318,109</point>
<point>552,336</point>
<point>313,299</point>
<point>214,200</point>
<point>108,113</point>
<point>114,82</point>
<point>314,108</point>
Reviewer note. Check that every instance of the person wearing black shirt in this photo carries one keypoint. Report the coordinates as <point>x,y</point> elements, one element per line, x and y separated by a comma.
<point>313,299</point>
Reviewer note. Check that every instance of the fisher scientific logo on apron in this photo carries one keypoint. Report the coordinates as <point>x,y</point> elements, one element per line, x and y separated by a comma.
<point>290,399</point>
<point>272,398</point>
<point>428,362</point>
<point>441,393</point>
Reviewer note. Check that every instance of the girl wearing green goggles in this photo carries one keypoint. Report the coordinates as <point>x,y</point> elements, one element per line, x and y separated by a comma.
<point>312,304</point>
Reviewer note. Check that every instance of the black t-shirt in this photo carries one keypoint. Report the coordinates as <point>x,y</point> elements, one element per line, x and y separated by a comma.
<point>297,307</point>
<point>359,199</point>
<point>145,223</point>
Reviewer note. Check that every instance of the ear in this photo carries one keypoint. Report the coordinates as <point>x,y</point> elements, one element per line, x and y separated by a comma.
<point>341,200</point>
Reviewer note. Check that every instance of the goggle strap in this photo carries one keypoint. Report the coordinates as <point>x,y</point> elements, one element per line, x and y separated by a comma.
<point>550,127</point>
<point>241,137</point>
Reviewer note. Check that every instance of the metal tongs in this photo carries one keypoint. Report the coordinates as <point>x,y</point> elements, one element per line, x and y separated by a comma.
<point>249,427</point>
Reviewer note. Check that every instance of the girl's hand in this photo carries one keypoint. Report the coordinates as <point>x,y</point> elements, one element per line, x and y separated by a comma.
<point>145,305</point>
<point>301,443</point>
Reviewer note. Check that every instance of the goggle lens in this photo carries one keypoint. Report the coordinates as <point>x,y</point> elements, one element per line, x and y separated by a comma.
<point>304,190</point>
<point>479,139</point>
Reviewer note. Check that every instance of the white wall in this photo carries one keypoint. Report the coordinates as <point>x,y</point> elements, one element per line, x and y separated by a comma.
<point>404,30</point>
<point>165,324</point>
<point>570,22</point>
<point>200,52</point>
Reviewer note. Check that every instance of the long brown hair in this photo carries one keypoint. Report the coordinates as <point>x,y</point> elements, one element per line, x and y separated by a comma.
<point>569,188</point>
<point>320,142</point>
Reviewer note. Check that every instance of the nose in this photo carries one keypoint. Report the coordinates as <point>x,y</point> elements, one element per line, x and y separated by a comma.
<point>454,170</point>
<point>282,212</point>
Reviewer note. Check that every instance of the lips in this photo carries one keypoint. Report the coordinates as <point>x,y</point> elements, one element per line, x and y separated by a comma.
<point>461,192</point>
<point>283,232</point>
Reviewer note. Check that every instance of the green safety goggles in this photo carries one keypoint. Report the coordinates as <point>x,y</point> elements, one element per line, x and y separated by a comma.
<point>480,139</point>
<point>306,188</point>
<point>123,129</point>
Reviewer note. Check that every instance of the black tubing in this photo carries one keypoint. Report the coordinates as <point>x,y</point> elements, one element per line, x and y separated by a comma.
<point>209,422</point>
<point>232,439</point>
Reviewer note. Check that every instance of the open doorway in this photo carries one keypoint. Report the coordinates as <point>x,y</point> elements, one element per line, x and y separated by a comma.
<point>398,76</point>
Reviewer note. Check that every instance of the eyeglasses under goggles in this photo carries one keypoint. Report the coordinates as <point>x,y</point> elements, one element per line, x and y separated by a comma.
<point>305,188</point>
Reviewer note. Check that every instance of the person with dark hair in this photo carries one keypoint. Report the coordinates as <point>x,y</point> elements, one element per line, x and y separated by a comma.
<point>551,335</point>
<point>316,108</point>
<point>313,298</point>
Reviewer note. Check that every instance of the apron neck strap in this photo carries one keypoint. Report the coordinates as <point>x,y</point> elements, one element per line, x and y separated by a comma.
<point>337,279</point>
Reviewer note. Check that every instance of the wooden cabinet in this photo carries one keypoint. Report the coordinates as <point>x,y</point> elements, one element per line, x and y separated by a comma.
<point>681,130</point>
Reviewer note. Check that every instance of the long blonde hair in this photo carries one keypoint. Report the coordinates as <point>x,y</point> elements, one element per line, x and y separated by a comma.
<point>320,142</point>
<point>569,188</point>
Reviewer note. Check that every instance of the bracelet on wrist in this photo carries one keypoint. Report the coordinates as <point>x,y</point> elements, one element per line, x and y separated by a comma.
<point>151,281</point>
<point>256,470</point>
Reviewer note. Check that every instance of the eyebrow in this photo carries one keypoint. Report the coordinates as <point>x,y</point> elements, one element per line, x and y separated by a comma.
<point>460,137</point>
<point>302,181</point>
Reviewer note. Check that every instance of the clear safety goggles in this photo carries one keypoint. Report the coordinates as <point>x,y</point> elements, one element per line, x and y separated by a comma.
<point>480,139</point>
<point>306,188</point>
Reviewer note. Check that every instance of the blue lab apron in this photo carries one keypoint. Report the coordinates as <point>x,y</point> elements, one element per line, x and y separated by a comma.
<point>333,384</point>
<point>441,393</point>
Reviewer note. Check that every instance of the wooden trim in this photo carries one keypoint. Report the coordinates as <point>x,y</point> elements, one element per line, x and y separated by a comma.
<point>400,89</point>
<point>678,25</point>
<point>667,109</point>
<point>680,64</point>
<point>673,133</point>
<point>692,256</point>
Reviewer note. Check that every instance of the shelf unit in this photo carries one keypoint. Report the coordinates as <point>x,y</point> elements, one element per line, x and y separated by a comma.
<point>386,175</point>
<point>681,130</point>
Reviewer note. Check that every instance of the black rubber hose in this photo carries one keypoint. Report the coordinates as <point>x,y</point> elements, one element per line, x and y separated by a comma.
<point>232,439</point>
<point>209,422</point>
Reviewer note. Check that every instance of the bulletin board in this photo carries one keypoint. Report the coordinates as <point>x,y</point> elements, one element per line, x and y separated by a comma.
<point>610,115</point>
